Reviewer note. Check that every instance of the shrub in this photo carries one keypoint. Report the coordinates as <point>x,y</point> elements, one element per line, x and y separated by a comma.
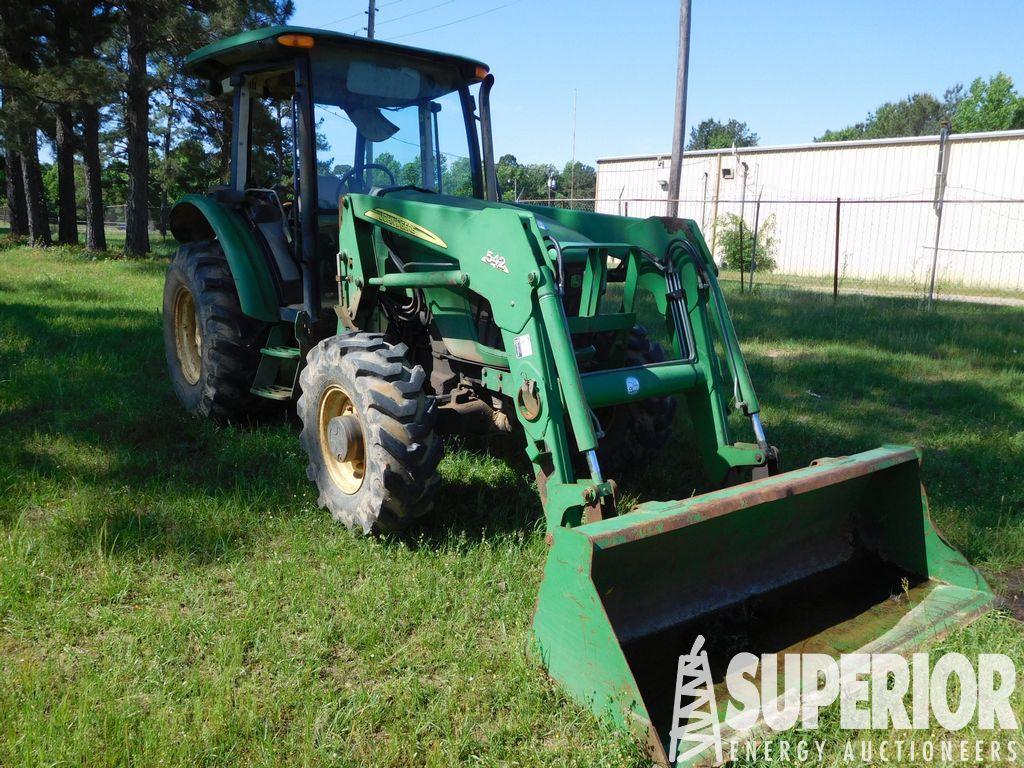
<point>729,243</point>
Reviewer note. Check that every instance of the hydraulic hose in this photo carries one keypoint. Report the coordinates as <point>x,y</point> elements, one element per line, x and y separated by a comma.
<point>744,387</point>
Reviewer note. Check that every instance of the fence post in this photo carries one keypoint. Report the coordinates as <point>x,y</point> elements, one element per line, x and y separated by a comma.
<point>835,268</point>
<point>940,194</point>
<point>743,256</point>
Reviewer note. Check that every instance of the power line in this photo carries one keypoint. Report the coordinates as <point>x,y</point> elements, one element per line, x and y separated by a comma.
<point>422,10</point>
<point>343,18</point>
<point>360,13</point>
<point>457,21</point>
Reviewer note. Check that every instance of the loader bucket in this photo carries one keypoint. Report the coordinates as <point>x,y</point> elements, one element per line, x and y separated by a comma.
<point>836,558</point>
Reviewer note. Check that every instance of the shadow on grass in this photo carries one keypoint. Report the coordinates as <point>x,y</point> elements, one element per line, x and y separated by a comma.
<point>91,411</point>
<point>479,504</point>
<point>140,533</point>
<point>91,408</point>
<point>985,333</point>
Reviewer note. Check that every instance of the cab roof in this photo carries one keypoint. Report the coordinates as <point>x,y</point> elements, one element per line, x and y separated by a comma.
<point>214,61</point>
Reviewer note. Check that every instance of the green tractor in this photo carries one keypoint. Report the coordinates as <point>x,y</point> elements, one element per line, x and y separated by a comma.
<point>360,264</point>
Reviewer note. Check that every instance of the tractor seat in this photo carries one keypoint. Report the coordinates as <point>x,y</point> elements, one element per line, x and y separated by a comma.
<point>266,215</point>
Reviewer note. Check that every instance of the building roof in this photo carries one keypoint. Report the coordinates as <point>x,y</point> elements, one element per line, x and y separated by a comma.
<point>213,60</point>
<point>825,145</point>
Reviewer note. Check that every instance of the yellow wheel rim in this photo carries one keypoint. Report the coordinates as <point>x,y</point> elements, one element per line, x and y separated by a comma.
<point>346,474</point>
<point>188,339</point>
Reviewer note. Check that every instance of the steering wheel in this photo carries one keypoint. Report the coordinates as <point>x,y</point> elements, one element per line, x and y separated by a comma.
<point>354,173</point>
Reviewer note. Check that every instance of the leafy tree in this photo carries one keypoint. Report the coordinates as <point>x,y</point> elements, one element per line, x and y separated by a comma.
<point>411,174</point>
<point>157,35</point>
<point>917,115</point>
<point>271,142</point>
<point>992,105</point>
<point>732,230</point>
<point>577,181</point>
<point>457,179</point>
<point>530,182</point>
<point>509,176</point>
<point>536,177</point>
<point>712,134</point>
<point>375,178</point>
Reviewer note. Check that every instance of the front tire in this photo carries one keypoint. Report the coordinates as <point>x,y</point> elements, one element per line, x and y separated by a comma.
<point>636,432</point>
<point>368,430</point>
<point>211,346</point>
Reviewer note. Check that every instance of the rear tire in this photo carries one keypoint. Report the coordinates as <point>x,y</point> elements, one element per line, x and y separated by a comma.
<point>388,475</point>
<point>636,432</point>
<point>212,347</point>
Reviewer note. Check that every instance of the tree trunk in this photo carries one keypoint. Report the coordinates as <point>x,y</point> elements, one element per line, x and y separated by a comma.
<point>18,217</point>
<point>137,213</point>
<point>95,236</point>
<point>35,203</point>
<point>168,136</point>
<point>279,142</point>
<point>67,216</point>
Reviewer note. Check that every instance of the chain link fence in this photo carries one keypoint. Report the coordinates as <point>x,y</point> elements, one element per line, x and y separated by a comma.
<point>114,219</point>
<point>973,250</point>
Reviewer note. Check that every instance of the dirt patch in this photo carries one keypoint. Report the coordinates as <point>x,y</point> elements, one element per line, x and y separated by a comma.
<point>1009,587</point>
<point>774,353</point>
<point>35,514</point>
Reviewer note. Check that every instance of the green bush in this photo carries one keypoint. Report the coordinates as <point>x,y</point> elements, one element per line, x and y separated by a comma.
<point>729,243</point>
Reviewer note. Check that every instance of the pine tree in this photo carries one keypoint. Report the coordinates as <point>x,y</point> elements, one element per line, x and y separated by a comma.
<point>23,106</point>
<point>138,18</point>
<point>14,184</point>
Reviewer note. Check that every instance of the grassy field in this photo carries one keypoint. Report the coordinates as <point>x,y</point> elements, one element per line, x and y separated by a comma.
<point>171,595</point>
<point>944,289</point>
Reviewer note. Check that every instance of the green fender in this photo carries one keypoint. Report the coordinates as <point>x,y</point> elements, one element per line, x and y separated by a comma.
<point>196,217</point>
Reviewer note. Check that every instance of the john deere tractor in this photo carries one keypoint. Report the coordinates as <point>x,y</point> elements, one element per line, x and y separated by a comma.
<point>361,265</point>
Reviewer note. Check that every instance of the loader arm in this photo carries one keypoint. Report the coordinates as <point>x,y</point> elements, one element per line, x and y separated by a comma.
<point>503,254</point>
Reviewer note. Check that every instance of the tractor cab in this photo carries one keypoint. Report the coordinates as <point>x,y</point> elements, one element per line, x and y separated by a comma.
<point>318,115</point>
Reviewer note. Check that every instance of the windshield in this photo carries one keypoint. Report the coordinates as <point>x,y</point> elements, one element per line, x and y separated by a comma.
<point>383,124</point>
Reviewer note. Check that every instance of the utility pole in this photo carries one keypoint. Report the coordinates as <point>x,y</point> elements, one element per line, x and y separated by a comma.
<point>572,163</point>
<point>940,196</point>
<point>679,130</point>
<point>743,208</point>
<point>371,18</point>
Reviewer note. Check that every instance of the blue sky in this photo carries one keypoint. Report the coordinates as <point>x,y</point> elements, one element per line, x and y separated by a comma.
<point>789,69</point>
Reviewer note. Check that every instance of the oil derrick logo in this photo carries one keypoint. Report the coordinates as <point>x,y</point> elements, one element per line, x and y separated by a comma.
<point>695,725</point>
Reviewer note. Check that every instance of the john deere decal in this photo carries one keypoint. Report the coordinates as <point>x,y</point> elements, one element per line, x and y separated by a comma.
<point>402,224</point>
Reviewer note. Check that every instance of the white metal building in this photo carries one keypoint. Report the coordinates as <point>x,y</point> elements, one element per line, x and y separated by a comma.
<point>887,219</point>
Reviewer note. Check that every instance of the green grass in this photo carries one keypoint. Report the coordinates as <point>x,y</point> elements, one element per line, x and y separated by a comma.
<point>170,594</point>
<point>878,286</point>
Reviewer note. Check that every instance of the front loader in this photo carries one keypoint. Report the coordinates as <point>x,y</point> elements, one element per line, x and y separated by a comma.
<point>358,263</point>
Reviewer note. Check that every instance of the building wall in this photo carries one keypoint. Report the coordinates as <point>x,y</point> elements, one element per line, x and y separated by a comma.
<point>886,222</point>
